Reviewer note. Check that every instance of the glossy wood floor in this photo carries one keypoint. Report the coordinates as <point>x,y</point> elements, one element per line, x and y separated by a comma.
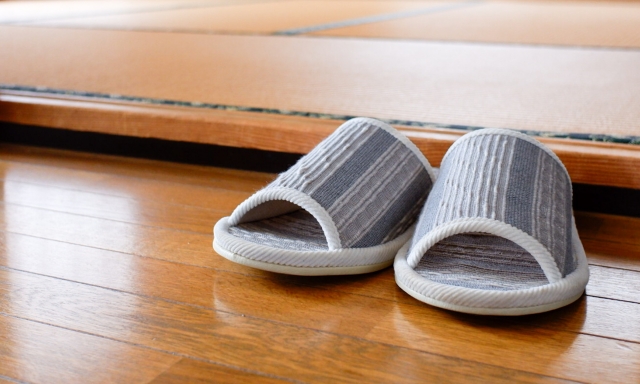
<point>107,275</point>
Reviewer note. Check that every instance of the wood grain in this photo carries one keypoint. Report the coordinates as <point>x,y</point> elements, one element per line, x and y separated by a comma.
<point>229,128</point>
<point>199,372</point>
<point>138,276</point>
<point>154,242</point>
<point>183,247</point>
<point>611,240</point>
<point>313,301</point>
<point>100,167</point>
<point>614,283</point>
<point>618,255</point>
<point>240,341</point>
<point>189,185</point>
<point>134,274</point>
<point>131,187</point>
<point>587,162</point>
<point>554,351</point>
<point>610,228</point>
<point>40,353</point>
<point>144,212</point>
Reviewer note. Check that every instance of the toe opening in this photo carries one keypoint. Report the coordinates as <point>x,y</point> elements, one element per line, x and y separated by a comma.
<point>295,229</point>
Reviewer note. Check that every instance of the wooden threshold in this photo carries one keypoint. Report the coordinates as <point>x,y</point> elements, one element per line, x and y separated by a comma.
<point>588,162</point>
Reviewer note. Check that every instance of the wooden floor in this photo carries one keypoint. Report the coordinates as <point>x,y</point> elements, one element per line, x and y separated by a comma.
<point>107,275</point>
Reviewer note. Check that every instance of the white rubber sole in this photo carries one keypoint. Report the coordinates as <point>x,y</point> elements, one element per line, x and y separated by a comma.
<point>487,302</point>
<point>487,310</point>
<point>300,271</point>
<point>347,261</point>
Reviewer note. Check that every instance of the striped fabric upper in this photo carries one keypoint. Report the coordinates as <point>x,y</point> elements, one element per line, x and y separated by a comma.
<point>371,184</point>
<point>506,178</point>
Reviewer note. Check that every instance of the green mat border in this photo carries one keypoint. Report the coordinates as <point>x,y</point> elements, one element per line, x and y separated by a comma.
<point>633,140</point>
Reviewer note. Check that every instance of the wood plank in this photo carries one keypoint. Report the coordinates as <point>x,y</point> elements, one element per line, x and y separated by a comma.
<point>319,303</point>
<point>610,240</point>
<point>124,187</point>
<point>243,18</point>
<point>98,168</point>
<point>269,299</point>
<point>227,292</point>
<point>34,352</point>
<point>611,254</point>
<point>147,212</point>
<point>130,182</point>
<point>134,274</point>
<point>240,341</point>
<point>36,166</point>
<point>493,340</point>
<point>341,76</point>
<point>209,126</point>
<point>587,162</point>
<point>614,283</point>
<point>181,184</point>
<point>199,372</point>
<point>604,24</point>
<point>611,228</point>
<point>182,247</point>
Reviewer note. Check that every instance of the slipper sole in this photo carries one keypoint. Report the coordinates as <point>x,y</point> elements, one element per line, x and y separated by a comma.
<point>549,296</point>
<point>488,311</point>
<point>365,260</point>
<point>300,271</point>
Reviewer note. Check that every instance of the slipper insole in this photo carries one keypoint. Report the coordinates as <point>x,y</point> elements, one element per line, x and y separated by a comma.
<point>481,261</point>
<point>298,231</point>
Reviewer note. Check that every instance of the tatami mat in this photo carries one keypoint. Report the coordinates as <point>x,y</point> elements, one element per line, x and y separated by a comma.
<point>567,23</point>
<point>264,17</point>
<point>544,89</point>
<point>30,11</point>
<point>605,24</point>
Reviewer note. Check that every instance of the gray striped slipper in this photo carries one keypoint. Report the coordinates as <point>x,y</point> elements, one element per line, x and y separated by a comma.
<point>344,208</point>
<point>496,235</point>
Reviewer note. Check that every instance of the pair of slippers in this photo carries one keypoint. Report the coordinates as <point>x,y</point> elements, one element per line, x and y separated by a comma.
<point>492,234</point>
